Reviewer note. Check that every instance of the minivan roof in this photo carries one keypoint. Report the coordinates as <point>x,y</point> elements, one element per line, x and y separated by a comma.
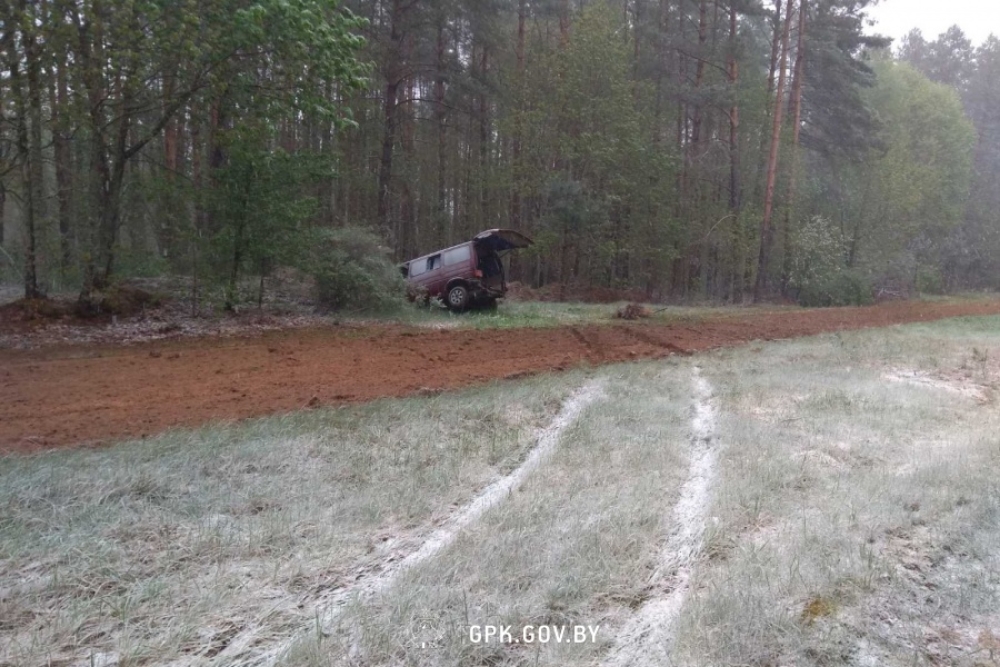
<point>436,252</point>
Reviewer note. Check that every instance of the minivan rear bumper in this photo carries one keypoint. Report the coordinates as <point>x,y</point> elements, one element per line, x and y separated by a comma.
<point>480,290</point>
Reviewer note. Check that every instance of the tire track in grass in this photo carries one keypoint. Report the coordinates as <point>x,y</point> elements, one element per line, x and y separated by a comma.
<point>648,636</point>
<point>243,652</point>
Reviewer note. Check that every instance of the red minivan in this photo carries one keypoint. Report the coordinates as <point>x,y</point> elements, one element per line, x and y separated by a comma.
<point>468,274</point>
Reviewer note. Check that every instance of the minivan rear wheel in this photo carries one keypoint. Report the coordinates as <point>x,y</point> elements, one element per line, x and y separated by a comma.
<point>458,298</point>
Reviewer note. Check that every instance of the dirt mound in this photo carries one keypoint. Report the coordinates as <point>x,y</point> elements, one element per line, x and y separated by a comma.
<point>63,395</point>
<point>34,310</point>
<point>118,300</point>
<point>632,311</point>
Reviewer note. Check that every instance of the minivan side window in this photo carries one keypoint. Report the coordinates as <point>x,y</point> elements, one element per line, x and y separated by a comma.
<point>433,262</point>
<point>458,255</point>
<point>417,268</point>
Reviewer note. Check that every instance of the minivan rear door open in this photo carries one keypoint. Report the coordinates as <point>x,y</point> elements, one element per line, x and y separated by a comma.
<point>501,240</point>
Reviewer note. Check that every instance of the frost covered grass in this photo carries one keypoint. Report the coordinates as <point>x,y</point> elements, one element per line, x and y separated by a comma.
<point>857,518</point>
<point>181,547</point>
<point>851,515</point>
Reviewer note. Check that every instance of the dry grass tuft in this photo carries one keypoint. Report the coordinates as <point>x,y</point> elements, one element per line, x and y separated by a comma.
<point>817,607</point>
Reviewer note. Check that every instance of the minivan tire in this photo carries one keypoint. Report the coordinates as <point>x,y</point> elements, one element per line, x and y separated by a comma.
<point>458,298</point>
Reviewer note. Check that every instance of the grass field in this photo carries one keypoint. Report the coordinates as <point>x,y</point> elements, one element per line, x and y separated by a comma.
<point>520,314</point>
<point>512,314</point>
<point>830,500</point>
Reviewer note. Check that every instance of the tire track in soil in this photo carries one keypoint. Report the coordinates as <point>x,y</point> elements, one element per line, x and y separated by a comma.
<point>86,394</point>
<point>593,354</point>
<point>244,651</point>
<point>647,638</point>
<point>652,339</point>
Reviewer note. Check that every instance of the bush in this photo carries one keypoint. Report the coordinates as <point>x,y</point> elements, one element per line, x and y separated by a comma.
<point>353,271</point>
<point>117,299</point>
<point>819,275</point>
<point>929,280</point>
<point>846,287</point>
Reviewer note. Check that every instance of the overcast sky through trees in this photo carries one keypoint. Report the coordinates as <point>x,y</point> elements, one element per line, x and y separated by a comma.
<point>977,18</point>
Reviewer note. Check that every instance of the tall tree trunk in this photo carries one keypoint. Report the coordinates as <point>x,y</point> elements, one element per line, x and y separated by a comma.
<point>3,208</point>
<point>563,23</point>
<point>766,231</point>
<point>6,43</point>
<point>62,154</point>
<point>105,178</point>
<point>408,214</point>
<point>385,162</point>
<point>440,113</point>
<point>772,72</point>
<point>682,113</point>
<point>30,144</point>
<point>798,73</point>
<point>465,212</point>
<point>170,135</point>
<point>696,263</point>
<point>637,45</point>
<point>199,216</point>
<point>678,271</point>
<point>483,112</point>
<point>515,194</point>
<point>389,106</point>
<point>735,185</point>
<point>662,67</point>
<point>6,38</point>
<point>733,71</point>
<point>776,33</point>
<point>232,286</point>
<point>795,111</point>
<point>112,173</point>
<point>699,78</point>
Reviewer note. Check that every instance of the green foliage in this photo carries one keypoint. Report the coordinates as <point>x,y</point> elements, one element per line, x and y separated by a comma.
<point>630,141</point>
<point>972,255</point>
<point>259,212</point>
<point>310,45</point>
<point>842,287</point>
<point>820,276</point>
<point>118,77</point>
<point>10,266</point>
<point>603,205</point>
<point>353,270</point>
<point>922,179</point>
<point>262,199</point>
<point>141,264</point>
<point>929,280</point>
<point>900,202</point>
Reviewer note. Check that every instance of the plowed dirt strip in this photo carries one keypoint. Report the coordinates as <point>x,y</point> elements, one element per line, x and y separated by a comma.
<point>91,395</point>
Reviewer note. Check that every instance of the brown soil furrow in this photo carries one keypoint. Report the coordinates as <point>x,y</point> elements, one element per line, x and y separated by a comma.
<point>57,396</point>
<point>593,353</point>
<point>650,336</point>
